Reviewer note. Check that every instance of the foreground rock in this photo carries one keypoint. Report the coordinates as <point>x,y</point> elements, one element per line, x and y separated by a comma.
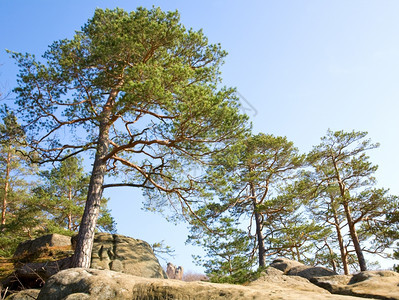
<point>368,284</point>
<point>39,259</point>
<point>105,284</point>
<point>29,294</point>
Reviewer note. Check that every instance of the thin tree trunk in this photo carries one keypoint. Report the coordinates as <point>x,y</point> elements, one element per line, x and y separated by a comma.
<point>259,227</point>
<point>351,224</point>
<point>6,188</point>
<point>333,262</point>
<point>298,254</point>
<point>344,254</point>
<point>355,238</point>
<point>84,243</point>
<point>70,214</point>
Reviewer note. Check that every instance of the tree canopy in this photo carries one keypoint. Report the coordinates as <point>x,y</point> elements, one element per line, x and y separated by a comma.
<point>138,90</point>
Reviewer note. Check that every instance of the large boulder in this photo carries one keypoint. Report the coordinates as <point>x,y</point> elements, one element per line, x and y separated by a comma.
<point>368,284</point>
<point>126,255</point>
<point>37,260</point>
<point>295,268</point>
<point>309,272</point>
<point>285,264</point>
<point>106,284</point>
<point>36,246</point>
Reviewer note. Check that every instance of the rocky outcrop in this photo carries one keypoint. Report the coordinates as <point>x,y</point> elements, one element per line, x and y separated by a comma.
<point>309,272</point>
<point>106,284</point>
<point>33,247</point>
<point>284,264</point>
<point>29,294</point>
<point>174,272</point>
<point>294,268</point>
<point>126,255</point>
<point>368,284</point>
<point>110,252</point>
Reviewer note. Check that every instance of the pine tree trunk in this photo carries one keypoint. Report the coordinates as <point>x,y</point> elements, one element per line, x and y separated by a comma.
<point>259,227</point>
<point>344,254</point>
<point>6,187</point>
<point>70,214</point>
<point>351,224</point>
<point>84,243</point>
<point>261,240</point>
<point>355,239</point>
<point>332,261</point>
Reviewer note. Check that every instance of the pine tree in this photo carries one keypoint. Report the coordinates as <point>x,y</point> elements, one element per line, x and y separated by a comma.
<point>138,90</point>
<point>247,180</point>
<point>344,194</point>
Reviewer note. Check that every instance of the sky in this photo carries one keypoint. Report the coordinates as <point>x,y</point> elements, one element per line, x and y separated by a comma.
<point>301,68</point>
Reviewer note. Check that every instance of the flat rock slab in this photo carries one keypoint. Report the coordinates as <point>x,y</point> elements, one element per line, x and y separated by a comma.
<point>368,284</point>
<point>105,284</point>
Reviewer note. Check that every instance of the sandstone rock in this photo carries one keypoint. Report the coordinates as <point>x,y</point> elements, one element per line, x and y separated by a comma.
<point>284,264</point>
<point>309,272</point>
<point>29,294</point>
<point>31,247</point>
<point>114,252</point>
<point>34,275</point>
<point>271,271</point>
<point>368,284</point>
<point>125,254</point>
<point>174,273</point>
<point>105,284</point>
<point>333,284</point>
<point>289,282</point>
<point>362,276</point>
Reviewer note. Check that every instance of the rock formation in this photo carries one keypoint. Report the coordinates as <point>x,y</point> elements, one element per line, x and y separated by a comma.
<point>107,285</point>
<point>174,273</point>
<point>367,284</point>
<point>126,255</point>
<point>125,268</point>
<point>32,247</point>
<point>110,252</point>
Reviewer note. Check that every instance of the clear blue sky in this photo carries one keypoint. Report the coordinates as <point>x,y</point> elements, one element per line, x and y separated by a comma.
<point>303,66</point>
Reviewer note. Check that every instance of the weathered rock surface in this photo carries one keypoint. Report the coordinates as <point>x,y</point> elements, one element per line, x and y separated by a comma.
<point>331,283</point>
<point>105,284</point>
<point>110,252</point>
<point>34,275</point>
<point>368,284</point>
<point>126,255</point>
<point>284,264</point>
<point>174,272</point>
<point>31,247</point>
<point>309,272</point>
<point>29,294</point>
